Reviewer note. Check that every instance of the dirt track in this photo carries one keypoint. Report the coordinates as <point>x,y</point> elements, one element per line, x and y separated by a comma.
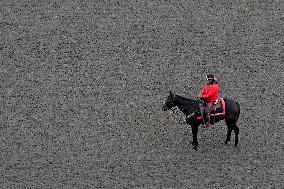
<point>82,86</point>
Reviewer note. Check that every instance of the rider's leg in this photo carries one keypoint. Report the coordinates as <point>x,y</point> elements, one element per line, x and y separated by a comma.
<point>206,112</point>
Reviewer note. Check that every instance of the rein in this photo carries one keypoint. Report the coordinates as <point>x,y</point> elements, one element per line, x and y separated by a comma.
<point>192,105</point>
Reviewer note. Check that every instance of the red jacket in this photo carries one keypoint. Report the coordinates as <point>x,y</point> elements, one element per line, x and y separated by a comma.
<point>210,92</point>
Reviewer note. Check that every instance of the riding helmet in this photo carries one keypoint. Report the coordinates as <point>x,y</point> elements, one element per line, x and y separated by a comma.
<point>210,77</point>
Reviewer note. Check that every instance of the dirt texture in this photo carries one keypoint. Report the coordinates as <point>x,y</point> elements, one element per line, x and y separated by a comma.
<point>82,84</point>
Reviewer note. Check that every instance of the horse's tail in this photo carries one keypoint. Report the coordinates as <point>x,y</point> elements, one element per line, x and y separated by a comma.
<point>236,109</point>
<point>239,110</point>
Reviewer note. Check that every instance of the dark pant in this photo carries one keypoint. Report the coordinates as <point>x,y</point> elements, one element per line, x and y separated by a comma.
<point>207,106</point>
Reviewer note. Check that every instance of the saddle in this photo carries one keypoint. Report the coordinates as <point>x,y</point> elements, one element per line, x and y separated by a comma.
<point>218,108</point>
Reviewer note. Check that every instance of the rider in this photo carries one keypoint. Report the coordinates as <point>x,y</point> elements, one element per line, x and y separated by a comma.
<point>209,94</point>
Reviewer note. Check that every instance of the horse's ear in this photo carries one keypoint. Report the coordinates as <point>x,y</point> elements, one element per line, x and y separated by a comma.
<point>171,93</point>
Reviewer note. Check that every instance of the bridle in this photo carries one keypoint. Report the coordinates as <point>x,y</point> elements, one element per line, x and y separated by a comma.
<point>173,110</point>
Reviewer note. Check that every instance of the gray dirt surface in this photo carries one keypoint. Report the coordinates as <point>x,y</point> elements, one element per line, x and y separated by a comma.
<point>82,84</point>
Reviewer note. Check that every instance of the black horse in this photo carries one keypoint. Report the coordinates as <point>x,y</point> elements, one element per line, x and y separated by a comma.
<point>191,108</point>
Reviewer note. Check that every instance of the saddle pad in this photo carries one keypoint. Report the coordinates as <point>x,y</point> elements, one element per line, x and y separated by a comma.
<point>218,109</point>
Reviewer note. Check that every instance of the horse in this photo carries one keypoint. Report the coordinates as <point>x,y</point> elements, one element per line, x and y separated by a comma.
<point>192,111</point>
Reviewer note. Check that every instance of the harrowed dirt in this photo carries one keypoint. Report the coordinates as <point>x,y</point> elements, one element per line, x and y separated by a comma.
<point>82,84</point>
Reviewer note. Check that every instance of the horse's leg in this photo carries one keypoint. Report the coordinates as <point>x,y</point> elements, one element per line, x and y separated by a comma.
<point>229,132</point>
<point>194,129</point>
<point>232,126</point>
<point>237,131</point>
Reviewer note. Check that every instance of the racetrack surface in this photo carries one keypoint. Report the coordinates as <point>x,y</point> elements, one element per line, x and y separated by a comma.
<point>83,83</point>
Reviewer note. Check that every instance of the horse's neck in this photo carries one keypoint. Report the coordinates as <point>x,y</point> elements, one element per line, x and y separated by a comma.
<point>183,105</point>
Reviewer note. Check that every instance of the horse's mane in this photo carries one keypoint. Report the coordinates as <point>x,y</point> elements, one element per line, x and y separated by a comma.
<point>187,100</point>
<point>187,105</point>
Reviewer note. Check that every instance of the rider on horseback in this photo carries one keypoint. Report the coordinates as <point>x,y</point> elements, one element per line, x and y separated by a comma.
<point>209,94</point>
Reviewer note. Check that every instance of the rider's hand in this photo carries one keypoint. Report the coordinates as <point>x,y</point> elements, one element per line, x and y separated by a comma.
<point>200,95</point>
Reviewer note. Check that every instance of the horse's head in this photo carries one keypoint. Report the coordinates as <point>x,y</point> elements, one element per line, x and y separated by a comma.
<point>169,102</point>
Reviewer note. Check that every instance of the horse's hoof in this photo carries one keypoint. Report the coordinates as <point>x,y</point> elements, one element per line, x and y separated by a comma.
<point>195,148</point>
<point>226,142</point>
